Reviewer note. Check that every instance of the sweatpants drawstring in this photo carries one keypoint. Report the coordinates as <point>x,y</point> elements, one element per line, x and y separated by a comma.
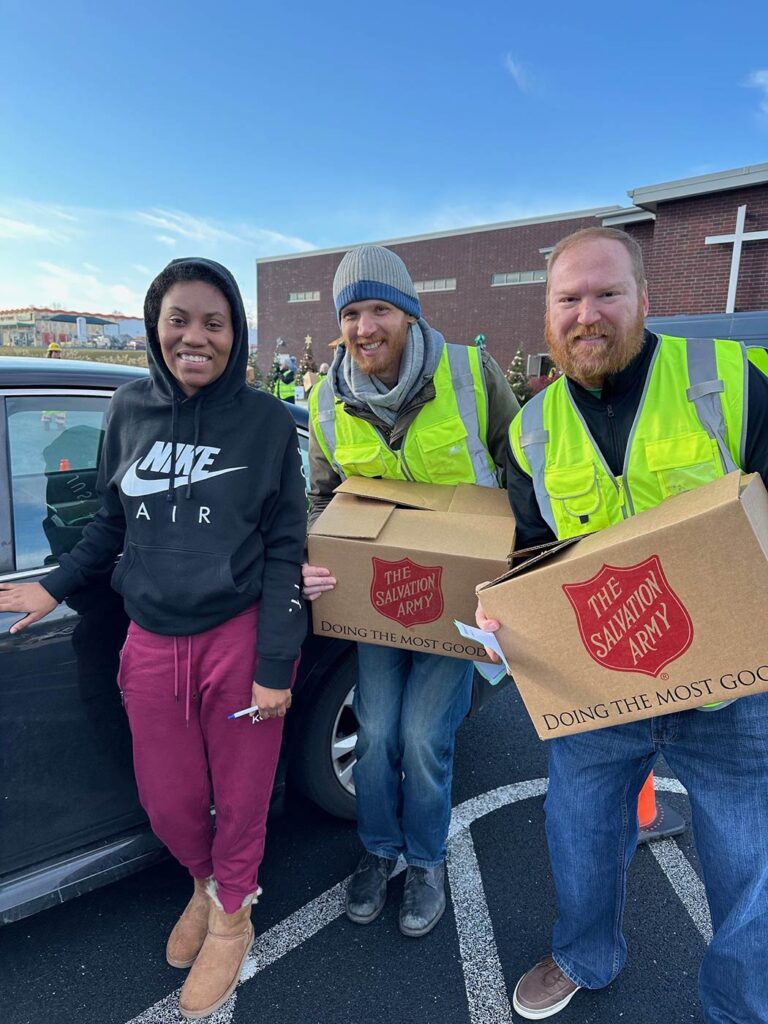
<point>176,667</point>
<point>189,674</point>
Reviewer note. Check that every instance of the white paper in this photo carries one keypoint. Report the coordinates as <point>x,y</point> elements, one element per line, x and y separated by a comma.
<point>482,637</point>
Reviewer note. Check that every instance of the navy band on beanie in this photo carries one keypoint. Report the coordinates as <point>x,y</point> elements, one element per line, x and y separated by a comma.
<point>373,272</point>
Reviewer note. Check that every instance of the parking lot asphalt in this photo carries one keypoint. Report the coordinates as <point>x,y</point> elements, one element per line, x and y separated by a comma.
<point>100,958</point>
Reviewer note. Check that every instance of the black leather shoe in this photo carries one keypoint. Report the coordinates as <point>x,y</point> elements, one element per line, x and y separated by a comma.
<point>423,900</point>
<point>367,889</point>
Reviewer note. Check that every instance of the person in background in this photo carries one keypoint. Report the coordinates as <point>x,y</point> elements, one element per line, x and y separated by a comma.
<point>394,385</point>
<point>285,380</point>
<point>625,394</point>
<point>322,373</point>
<point>202,491</point>
<point>54,351</point>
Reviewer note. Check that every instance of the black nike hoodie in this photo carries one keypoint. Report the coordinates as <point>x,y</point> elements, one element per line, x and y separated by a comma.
<point>205,497</point>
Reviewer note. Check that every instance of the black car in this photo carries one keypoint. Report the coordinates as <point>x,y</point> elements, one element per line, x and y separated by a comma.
<point>70,818</point>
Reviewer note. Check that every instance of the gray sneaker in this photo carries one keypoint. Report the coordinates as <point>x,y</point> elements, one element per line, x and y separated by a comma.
<point>423,900</point>
<point>543,991</point>
<point>367,889</point>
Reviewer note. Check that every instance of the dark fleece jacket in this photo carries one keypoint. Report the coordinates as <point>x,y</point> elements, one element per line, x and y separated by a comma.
<point>205,497</point>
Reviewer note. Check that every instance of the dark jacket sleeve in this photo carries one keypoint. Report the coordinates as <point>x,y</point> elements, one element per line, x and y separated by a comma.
<point>103,538</point>
<point>282,614</point>
<point>756,448</point>
<point>530,527</point>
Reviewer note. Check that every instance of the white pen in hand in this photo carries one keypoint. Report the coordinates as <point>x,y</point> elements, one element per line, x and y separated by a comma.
<point>253,711</point>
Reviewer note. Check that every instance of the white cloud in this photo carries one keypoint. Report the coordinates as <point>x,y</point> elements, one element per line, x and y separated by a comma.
<point>74,290</point>
<point>210,232</point>
<point>92,258</point>
<point>12,228</point>
<point>759,80</point>
<point>518,73</point>
<point>186,225</point>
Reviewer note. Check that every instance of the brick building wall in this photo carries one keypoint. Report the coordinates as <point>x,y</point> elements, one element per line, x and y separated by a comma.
<point>510,316</point>
<point>685,275</point>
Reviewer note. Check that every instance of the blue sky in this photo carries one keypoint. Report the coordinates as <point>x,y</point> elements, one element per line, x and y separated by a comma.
<point>134,132</point>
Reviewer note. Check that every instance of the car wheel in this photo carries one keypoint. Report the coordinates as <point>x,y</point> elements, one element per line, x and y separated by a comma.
<point>324,751</point>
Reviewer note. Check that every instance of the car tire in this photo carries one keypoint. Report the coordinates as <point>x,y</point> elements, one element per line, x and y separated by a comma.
<point>323,749</point>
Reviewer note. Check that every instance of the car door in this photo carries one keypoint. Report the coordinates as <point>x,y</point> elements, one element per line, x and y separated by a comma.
<point>67,778</point>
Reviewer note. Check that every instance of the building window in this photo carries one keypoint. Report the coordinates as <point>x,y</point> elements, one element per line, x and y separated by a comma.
<point>439,284</point>
<point>304,296</point>
<point>519,277</point>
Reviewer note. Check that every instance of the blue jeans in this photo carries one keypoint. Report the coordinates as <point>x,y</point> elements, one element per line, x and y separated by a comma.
<point>721,757</point>
<point>409,706</point>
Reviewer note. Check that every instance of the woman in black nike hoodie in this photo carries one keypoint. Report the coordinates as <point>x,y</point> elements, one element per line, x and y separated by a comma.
<point>202,491</point>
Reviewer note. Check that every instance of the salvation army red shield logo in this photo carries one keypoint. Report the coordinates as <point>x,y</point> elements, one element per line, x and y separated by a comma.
<point>630,619</point>
<point>407,592</point>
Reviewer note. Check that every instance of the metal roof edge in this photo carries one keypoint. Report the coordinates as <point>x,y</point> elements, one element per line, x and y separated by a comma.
<point>597,211</point>
<point>719,181</point>
<point>631,215</point>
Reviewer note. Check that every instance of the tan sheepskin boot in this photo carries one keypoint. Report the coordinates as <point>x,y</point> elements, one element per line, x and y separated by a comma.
<point>189,932</point>
<point>216,970</point>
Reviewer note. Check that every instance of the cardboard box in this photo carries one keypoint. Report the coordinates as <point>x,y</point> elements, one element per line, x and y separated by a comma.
<point>309,380</point>
<point>663,612</point>
<point>407,558</point>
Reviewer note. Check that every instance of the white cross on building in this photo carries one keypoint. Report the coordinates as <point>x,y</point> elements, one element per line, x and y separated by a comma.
<point>739,236</point>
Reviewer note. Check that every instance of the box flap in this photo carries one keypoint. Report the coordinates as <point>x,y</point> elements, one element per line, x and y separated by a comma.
<point>544,552</point>
<point>754,501</point>
<point>352,517</point>
<point>443,533</point>
<point>406,493</point>
<point>469,499</point>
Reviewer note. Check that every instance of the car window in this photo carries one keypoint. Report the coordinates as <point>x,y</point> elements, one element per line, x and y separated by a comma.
<point>54,444</point>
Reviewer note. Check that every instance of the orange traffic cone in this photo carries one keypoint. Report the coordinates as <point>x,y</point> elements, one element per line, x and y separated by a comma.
<point>646,803</point>
<point>656,821</point>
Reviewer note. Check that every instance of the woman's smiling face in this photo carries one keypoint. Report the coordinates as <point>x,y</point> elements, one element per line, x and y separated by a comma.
<point>195,333</point>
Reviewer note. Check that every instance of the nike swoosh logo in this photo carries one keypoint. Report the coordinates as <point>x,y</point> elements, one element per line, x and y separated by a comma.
<point>135,486</point>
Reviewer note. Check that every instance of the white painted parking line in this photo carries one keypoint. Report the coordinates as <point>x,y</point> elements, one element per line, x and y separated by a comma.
<point>685,882</point>
<point>483,976</point>
<point>677,868</point>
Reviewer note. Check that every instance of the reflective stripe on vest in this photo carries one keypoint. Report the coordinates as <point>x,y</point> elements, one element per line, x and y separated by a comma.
<point>757,355</point>
<point>689,429</point>
<point>445,443</point>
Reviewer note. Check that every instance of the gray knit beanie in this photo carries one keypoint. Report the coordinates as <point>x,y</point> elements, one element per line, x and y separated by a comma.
<point>373,272</point>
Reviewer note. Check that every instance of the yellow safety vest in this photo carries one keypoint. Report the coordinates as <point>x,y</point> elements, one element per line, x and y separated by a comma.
<point>689,429</point>
<point>446,443</point>
<point>283,390</point>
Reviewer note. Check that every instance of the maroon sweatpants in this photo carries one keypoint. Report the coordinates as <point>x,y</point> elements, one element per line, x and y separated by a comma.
<point>178,692</point>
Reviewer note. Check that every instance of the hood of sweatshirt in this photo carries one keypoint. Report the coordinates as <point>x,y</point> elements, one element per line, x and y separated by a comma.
<point>233,378</point>
<point>219,391</point>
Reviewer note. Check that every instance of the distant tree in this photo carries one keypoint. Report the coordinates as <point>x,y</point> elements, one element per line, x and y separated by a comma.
<point>274,369</point>
<point>518,378</point>
<point>307,364</point>
<point>258,377</point>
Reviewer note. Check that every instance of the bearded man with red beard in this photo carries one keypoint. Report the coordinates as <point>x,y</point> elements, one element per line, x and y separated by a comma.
<point>400,403</point>
<point>637,418</point>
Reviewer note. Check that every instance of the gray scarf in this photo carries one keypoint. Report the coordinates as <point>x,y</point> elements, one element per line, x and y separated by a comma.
<point>417,367</point>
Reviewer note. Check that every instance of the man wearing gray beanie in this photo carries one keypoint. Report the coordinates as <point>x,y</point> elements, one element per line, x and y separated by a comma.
<point>400,403</point>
